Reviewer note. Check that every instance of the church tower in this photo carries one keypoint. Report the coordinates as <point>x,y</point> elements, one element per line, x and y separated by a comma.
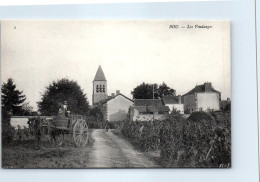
<point>99,87</point>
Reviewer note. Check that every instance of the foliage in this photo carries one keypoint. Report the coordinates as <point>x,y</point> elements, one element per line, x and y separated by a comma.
<point>27,110</point>
<point>165,90</point>
<point>145,91</point>
<point>96,114</point>
<point>7,130</point>
<point>202,140</point>
<point>11,105</point>
<point>95,118</point>
<point>146,134</point>
<point>60,91</point>
<point>12,98</point>
<point>228,107</point>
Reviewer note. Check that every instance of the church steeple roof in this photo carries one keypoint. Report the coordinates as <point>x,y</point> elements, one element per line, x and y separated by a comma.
<point>100,75</point>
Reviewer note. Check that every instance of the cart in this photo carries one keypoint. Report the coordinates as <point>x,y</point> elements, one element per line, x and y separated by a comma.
<point>75,125</point>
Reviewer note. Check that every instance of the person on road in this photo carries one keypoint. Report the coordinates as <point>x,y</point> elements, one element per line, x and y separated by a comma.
<point>107,125</point>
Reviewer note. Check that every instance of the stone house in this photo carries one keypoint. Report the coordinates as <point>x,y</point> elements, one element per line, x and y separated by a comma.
<point>174,103</point>
<point>116,107</point>
<point>202,98</point>
<point>147,109</point>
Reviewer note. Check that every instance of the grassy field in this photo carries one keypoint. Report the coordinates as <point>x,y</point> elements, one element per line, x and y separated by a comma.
<point>24,154</point>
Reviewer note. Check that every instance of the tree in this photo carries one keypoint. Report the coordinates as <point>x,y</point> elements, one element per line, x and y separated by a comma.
<point>60,91</point>
<point>12,98</point>
<point>27,110</point>
<point>96,113</point>
<point>145,91</point>
<point>11,105</point>
<point>165,90</point>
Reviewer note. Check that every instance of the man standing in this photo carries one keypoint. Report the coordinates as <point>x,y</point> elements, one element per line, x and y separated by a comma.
<point>37,129</point>
<point>107,125</point>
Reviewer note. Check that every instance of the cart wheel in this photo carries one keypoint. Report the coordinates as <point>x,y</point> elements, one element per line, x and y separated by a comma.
<point>80,133</point>
<point>60,138</point>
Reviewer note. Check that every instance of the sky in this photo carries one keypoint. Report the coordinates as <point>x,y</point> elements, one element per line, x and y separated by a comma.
<point>36,53</point>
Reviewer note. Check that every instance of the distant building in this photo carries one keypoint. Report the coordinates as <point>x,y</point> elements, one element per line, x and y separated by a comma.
<point>148,102</point>
<point>99,87</point>
<point>116,107</point>
<point>224,104</point>
<point>147,109</point>
<point>202,98</point>
<point>19,120</point>
<point>174,103</point>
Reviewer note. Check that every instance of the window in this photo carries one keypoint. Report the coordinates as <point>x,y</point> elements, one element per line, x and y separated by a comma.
<point>97,88</point>
<point>103,88</point>
<point>100,88</point>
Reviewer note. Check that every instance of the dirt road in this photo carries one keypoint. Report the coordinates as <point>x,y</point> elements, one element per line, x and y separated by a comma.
<point>109,150</point>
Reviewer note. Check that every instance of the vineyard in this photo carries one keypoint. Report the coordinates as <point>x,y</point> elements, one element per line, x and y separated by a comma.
<point>201,140</point>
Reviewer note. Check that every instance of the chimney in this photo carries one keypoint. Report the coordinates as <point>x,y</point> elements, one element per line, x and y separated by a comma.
<point>113,94</point>
<point>208,86</point>
<point>179,99</point>
<point>117,92</point>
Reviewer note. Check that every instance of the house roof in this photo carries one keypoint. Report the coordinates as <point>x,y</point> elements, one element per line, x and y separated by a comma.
<point>200,88</point>
<point>112,97</point>
<point>100,75</point>
<point>151,108</point>
<point>148,102</point>
<point>169,99</point>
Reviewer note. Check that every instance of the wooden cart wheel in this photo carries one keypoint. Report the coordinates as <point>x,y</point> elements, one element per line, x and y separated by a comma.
<point>80,133</point>
<point>60,138</point>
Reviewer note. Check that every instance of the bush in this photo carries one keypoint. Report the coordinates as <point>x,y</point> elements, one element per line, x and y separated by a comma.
<point>202,140</point>
<point>7,130</point>
<point>7,134</point>
<point>145,133</point>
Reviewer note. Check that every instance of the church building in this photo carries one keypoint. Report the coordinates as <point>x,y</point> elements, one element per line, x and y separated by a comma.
<point>99,87</point>
<point>114,107</point>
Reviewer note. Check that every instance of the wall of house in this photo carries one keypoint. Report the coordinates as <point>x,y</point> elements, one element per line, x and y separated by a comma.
<point>22,120</point>
<point>148,117</point>
<point>178,107</point>
<point>190,103</point>
<point>170,106</point>
<point>117,108</point>
<point>19,121</point>
<point>133,114</point>
<point>208,101</point>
